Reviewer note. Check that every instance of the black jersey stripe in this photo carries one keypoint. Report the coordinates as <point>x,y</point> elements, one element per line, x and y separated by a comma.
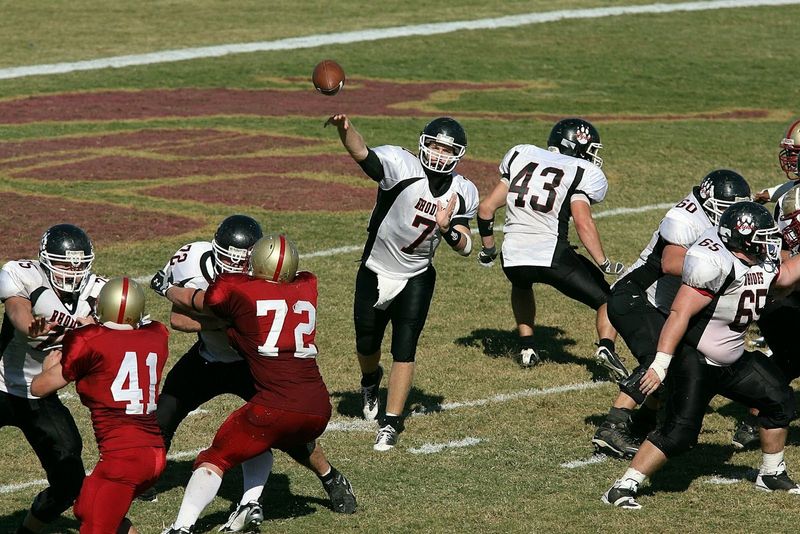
<point>566,212</point>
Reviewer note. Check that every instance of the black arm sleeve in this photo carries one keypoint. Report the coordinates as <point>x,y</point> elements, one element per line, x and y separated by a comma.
<point>372,166</point>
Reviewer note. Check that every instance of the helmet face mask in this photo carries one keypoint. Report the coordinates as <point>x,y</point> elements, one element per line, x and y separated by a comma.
<point>66,254</point>
<point>719,190</point>
<point>790,208</point>
<point>121,301</point>
<point>749,228</point>
<point>577,138</point>
<point>442,144</point>
<point>275,259</point>
<point>790,150</point>
<point>232,243</point>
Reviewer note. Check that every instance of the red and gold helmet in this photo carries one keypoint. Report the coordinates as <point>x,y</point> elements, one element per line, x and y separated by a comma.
<point>274,258</point>
<point>121,301</point>
<point>790,149</point>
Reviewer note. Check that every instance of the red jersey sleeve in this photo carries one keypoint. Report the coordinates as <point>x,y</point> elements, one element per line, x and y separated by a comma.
<point>217,295</point>
<point>76,359</point>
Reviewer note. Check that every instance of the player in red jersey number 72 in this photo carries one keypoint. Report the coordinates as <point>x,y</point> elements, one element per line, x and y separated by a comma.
<point>116,366</point>
<point>272,318</point>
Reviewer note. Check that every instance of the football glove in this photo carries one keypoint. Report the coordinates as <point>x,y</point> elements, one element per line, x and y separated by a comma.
<point>160,283</point>
<point>613,268</point>
<point>487,256</point>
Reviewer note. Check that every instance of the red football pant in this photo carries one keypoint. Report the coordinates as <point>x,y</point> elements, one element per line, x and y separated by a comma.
<point>118,477</point>
<point>253,429</point>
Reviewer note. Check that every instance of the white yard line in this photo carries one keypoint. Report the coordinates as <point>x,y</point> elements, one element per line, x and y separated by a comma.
<point>320,40</point>
<point>359,425</point>
<point>432,448</point>
<point>594,459</point>
<point>353,248</point>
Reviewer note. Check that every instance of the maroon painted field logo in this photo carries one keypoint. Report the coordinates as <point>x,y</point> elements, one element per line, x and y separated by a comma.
<point>50,179</point>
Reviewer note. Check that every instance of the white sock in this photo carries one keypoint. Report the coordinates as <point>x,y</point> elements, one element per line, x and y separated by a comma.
<point>771,462</point>
<point>633,474</point>
<point>255,473</point>
<point>200,491</point>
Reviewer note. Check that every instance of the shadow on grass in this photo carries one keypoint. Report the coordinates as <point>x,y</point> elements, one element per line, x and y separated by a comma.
<point>348,403</point>
<point>10,522</point>
<point>282,503</point>
<point>551,344</point>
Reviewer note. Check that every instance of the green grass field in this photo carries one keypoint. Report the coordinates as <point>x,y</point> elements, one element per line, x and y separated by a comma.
<point>674,95</point>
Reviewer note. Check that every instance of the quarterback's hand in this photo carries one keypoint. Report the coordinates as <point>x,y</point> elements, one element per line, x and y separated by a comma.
<point>445,212</point>
<point>160,283</point>
<point>339,120</point>
<point>487,256</point>
<point>613,268</point>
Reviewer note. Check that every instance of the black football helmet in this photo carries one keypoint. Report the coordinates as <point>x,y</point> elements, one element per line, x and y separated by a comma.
<point>577,138</point>
<point>233,243</point>
<point>720,189</point>
<point>749,227</point>
<point>66,254</point>
<point>790,150</point>
<point>442,131</point>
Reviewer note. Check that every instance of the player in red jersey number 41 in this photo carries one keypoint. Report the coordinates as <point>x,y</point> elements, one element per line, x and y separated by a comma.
<point>272,318</point>
<point>116,366</point>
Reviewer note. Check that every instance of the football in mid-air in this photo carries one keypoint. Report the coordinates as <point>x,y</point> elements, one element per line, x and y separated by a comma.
<point>328,77</point>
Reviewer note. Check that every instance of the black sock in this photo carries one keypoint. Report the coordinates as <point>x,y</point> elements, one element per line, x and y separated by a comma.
<point>395,420</point>
<point>526,342</point>
<point>618,415</point>
<point>370,379</point>
<point>24,530</point>
<point>607,343</point>
<point>330,476</point>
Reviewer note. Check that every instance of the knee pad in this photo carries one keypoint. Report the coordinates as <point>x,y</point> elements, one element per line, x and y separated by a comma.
<point>674,441</point>
<point>367,345</point>
<point>404,357</point>
<point>67,476</point>
<point>781,412</point>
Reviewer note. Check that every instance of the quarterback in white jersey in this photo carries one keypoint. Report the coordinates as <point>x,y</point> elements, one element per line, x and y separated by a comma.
<point>726,277</point>
<point>640,301</point>
<point>421,202</point>
<point>541,190</point>
<point>212,367</point>
<point>43,299</point>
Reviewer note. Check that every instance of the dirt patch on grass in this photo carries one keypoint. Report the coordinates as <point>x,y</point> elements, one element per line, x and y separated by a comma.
<point>26,217</point>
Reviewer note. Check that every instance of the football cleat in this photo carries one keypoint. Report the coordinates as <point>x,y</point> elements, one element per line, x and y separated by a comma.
<point>529,358</point>
<point>623,495</point>
<point>340,492</point>
<point>615,440</point>
<point>745,436</point>
<point>183,530</point>
<point>612,362</point>
<point>245,518</point>
<point>778,481</point>
<point>369,398</point>
<point>386,438</point>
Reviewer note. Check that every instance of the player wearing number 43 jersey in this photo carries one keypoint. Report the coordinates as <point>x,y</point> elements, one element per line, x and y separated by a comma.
<point>543,189</point>
<point>116,366</point>
<point>726,277</point>
<point>421,202</point>
<point>272,318</point>
<point>43,299</point>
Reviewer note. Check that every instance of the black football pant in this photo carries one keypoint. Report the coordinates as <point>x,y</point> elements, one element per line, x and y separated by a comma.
<point>51,431</point>
<point>777,324</point>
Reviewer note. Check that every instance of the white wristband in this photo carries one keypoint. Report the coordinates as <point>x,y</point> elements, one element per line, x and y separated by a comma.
<point>660,364</point>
